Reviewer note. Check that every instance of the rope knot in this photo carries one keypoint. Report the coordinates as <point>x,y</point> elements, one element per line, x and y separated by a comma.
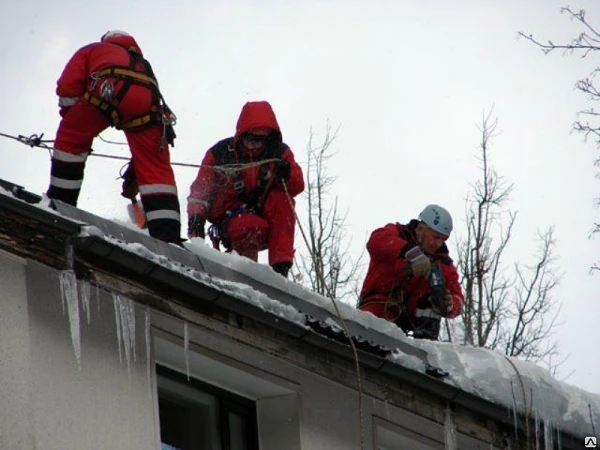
<point>33,141</point>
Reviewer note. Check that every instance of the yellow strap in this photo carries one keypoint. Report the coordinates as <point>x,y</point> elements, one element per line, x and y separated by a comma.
<point>117,71</point>
<point>138,122</point>
<point>104,106</point>
<point>142,120</point>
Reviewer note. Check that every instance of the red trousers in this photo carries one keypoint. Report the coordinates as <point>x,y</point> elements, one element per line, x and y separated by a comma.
<point>249,233</point>
<point>152,167</point>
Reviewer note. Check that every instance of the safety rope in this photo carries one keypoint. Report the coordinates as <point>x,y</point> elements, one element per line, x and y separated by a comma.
<point>342,320</point>
<point>226,169</point>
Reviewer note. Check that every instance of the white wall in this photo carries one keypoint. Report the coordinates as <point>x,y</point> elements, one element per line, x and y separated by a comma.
<point>15,376</point>
<point>54,401</point>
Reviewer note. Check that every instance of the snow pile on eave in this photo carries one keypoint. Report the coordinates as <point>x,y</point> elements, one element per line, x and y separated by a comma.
<point>237,290</point>
<point>516,384</point>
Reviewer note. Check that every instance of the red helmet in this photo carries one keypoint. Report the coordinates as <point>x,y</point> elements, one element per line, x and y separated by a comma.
<point>113,34</point>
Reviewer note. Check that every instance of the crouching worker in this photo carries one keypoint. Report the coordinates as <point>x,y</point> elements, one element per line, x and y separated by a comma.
<point>411,279</point>
<point>242,189</point>
<point>109,83</point>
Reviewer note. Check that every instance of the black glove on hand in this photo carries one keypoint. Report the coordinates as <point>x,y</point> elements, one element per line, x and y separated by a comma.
<point>196,226</point>
<point>419,262</point>
<point>283,169</point>
<point>130,187</point>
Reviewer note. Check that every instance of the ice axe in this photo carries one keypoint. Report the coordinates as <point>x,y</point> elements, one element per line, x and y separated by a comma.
<point>130,191</point>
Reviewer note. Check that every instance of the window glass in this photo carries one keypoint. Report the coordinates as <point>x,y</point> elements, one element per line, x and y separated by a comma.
<point>197,416</point>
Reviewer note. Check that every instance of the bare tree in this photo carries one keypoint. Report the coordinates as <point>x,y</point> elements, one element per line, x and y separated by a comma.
<point>512,311</point>
<point>328,267</point>
<point>587,42</point>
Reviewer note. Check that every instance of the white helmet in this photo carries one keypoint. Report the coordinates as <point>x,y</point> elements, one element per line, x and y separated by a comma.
<point>112,34</point>
<point>437,218</point>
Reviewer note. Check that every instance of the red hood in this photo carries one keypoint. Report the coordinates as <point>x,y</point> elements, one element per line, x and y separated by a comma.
<point>127,42</point>
<point>256,114</point>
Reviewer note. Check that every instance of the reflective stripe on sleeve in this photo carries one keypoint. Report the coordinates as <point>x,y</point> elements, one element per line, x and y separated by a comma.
<point>198,201</point>
<point>67,101</point>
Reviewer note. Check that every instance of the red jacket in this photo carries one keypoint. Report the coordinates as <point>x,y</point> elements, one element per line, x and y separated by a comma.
<point>387,269</point>
<point>212,193</point>
<point>77,76</point>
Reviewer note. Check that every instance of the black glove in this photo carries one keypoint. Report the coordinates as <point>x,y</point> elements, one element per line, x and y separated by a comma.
<point>170,135</point>
<point>130,187</point>
<point>419,262</point>
<point>283,169</point>
<point>196,226</point>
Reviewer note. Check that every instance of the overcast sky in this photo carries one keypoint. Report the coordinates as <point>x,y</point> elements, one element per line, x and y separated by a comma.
<point>406,81</point>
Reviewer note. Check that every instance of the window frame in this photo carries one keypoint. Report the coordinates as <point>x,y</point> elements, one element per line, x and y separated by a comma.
<point>228,403</point>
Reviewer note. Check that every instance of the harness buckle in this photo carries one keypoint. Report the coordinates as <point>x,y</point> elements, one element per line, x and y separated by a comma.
<point>168,117</point>
<point>107,90</point>
<point>238,185</point>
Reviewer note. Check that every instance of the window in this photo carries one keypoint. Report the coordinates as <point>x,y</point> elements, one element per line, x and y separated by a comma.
<point>197,416</point>
<point>416,433</point>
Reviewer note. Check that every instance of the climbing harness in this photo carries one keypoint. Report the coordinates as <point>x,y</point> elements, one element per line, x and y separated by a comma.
<point>217,233</point>
<point>110,95</point>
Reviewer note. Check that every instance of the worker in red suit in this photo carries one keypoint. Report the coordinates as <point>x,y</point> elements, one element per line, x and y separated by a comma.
<point>245,189</point>
<point>411,280</point>
<point>109,83</point>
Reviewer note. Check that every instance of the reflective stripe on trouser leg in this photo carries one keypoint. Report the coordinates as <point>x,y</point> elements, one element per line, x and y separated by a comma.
<point>66,176</point>
<point>162,211</point>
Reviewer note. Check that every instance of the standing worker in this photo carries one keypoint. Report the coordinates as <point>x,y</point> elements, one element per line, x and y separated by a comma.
<point>109,83</point>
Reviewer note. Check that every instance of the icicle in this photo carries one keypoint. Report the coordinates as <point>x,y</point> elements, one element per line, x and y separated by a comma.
<point>125,324</point>
<point>98,297</point>
<point>450,430</point>
<point>68,290</point>
<point>124,332</point>
<point>84,292</point>
<point>186,345</point>
<point>148,346</point>
<point>127,311</point>
<point>117,304</point>
<point>536,421</point>
<point>548,435</point>
<point>130,312</point>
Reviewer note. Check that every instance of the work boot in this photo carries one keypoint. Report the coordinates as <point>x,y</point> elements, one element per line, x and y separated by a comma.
<point>282,268</point>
